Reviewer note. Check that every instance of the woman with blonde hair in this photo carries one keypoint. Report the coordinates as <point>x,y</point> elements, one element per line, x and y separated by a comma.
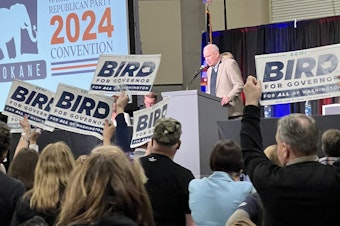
<point>106,189</point>
<point>51,174</point>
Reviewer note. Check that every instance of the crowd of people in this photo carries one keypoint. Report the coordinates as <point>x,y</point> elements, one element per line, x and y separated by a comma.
<point>283,184</point>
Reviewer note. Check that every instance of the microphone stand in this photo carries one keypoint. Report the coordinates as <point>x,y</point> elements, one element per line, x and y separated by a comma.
<point>193,78</point>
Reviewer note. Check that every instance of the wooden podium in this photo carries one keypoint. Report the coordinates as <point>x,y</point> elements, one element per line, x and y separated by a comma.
<point>198,113</point>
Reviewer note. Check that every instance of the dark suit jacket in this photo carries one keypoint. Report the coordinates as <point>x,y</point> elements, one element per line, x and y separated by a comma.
<point>10,192</point>
<point>305,193</point>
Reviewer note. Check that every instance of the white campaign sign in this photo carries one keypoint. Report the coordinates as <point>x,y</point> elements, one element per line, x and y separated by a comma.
<point>27,99</point>
<point>76,110</point>
<point>297,76</point>
<point>135,74</point>
<point>14,125</point>
<point>144,122</point>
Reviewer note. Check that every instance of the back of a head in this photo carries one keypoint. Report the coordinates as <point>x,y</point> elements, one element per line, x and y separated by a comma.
<point>23,165</point>
<point>227,55</point>
<point>51,175</point>
<point>226,156</point>
<point>300,132</point>
<point>5,139</point>
<point>167,131</point>
<point>56,160</point>
<point>106,183</point>
<point>330,141</point>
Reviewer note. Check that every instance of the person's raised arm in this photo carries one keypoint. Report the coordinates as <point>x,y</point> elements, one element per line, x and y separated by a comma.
<point>123,137</point>
<point>25,135</point>
<point>108,131</point>
<point>252,91</point>
<point>250,135</point>
<point>35,133</point>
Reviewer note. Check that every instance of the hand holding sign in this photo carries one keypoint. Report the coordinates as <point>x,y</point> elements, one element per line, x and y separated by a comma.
<point>144,122</point>
<point>25,125</point>
<point>108,131</point>
<point>121,102</point>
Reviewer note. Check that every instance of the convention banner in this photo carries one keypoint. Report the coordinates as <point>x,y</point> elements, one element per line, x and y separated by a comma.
<point>76,110</point>
<point>59,41</point>
<point>296,76</point>
<point>134,74</point>
<point>144,121</point>
<point>28,99</point>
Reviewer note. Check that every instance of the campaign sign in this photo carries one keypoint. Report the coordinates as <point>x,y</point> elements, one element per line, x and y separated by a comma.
<point>76,110</point>
<point>14,125</point>
<point>28,99</point>
<point>297,76</point>
<point>134,74</point>
<point>144,122</point>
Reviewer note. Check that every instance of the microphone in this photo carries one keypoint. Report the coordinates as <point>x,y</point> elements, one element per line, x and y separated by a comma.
<point>202,68</point>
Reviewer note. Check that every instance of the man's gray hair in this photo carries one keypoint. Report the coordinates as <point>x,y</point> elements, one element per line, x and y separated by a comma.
<point>300,132</point>
<point>212,47</point>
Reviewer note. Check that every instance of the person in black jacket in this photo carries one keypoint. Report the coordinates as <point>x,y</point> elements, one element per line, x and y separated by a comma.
<point>303,191</point>
<point>10,189</point>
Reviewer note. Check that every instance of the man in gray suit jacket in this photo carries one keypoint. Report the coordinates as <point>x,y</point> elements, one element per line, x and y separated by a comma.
<point>224,80</point>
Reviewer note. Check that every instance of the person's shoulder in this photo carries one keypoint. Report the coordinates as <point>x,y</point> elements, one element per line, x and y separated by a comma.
<point>11,184</point>
<point>182,168</point>
<point>115,219</point>
<point>225,62</point>
<point>143,159</point>
<point>187,173</point>
<point>244,183</point>
<point>229,64</point>
<point>198,183</point>
<point>195,182</point>
<point>252,198</point>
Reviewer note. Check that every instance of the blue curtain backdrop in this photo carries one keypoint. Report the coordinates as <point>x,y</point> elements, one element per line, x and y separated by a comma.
<point>245,43</point>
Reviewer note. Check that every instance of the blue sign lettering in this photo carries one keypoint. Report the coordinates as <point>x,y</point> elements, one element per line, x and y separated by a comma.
<point>79,104</point>
<point>148,121</point>
<point>32,98</point>
<point>130,69</point>
<point>326,64</point>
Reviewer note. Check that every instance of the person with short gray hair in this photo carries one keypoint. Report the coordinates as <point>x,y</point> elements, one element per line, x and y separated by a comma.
<point>301,192</point>
<point>295,129</point>
<point>224,80</point>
